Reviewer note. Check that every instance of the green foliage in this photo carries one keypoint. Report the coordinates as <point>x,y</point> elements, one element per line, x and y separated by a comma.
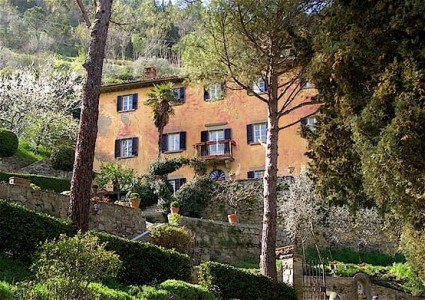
<point>181,290</point>
<point>172,237</point>
<point>8,143</point>
<point>174,204</point>
<point>175,219</point>
<point>22,230</point>
<point>55,184</point>
<point>68,264</point>
<point>145,187</point>
<point>195,195</point>
<point>134,196</point>
<point>63,158</point>
<point>398,276</point>
<point>164,166</point>
<point>13,270</point>
<point>348,255</point>
<point>98,291</point>
<point>144,263</point>
<point>26,152</point>
<point>7,291</point>
<point>413,246</point>
<point>122,178</point>
<point>152,293</point>
<point>228,282</point>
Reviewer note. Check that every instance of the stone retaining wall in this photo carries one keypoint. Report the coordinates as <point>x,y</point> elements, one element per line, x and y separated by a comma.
<point>222,242</point>
<point>115,219</point>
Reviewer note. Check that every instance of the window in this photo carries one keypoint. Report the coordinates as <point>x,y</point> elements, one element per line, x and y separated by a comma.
<point>214,92</point>
<point>259,174</point>
<point>126,147</point>
<point>256,133</point>
<point>310,122</point>
<point>256,174</point>
<point>174,142</point>
<point>216,135</point>
<point>176,184</point>
<point>127,102</point>
<point>260,132</point>
<point>259,87</point>
<point>179,92</point>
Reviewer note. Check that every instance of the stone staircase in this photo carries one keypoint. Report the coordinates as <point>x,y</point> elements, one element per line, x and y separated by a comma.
<point>152,214</point>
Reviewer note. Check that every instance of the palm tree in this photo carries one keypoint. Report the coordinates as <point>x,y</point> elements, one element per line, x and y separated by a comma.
<point>160,99</point>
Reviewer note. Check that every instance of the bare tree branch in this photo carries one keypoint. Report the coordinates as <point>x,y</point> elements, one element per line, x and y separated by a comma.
<point>84,13</point>
<point>297,121</point>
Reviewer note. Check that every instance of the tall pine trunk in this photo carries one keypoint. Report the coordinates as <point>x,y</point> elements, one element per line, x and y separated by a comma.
<point>84,156</point>
<point>268,240</point>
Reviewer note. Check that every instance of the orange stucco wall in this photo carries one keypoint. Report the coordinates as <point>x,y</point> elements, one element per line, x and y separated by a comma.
<point>237,109</point>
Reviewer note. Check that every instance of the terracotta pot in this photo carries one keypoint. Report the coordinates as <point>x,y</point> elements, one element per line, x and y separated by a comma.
<point>135,203</point>
<point>232,177</point>
<point>94,190</point>
<point>233,218</point>
<point>175,210</point>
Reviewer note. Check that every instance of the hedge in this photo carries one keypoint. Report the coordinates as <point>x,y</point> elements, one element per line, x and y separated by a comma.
<point>228,282</point>
<point>22,230</point>
<point>63,158</point>
<point>181,290</point>
<point>55,184</point>
<point>144,263</point>
<point>8,143</point>
<point>7,291</point>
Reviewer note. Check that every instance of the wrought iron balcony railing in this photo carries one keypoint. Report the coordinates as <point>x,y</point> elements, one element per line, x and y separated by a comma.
<point>215,149</point>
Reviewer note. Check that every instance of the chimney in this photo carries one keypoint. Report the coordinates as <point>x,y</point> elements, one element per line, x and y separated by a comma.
<point>150,73</point>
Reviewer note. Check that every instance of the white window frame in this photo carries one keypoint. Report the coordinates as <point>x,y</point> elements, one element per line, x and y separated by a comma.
<point>215,91</point>
<point>258,174</point>
<point>126,147</point>
<point>310,122</point>
<point>262,132</point>
<point>173,140</point>
<point>259,87</point>
<point>127,102</point>
<point>215,135</point>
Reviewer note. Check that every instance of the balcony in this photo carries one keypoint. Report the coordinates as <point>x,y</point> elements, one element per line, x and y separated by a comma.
<point>220,150</point>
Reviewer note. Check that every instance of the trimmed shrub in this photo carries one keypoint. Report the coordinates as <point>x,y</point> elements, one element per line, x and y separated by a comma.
<point>55,184</point>
<point>63,158</point>
<point>8,143</point>
<point>146,189</point>
<point>181,290</point>
<point>144,263</point>
<point>164,166</point>
<point>228,282</point>
<point>152,293</point>
<point>22,230</point>
<point>6,291</point>
<point>172,237</point>
<point>195,195</point>
<point>99,291</point>
<point>65,264</point>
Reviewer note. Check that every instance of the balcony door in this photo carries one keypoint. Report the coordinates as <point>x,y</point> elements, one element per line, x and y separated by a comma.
<point>216,136</point>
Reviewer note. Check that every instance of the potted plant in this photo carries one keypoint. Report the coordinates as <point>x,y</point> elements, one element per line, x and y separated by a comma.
<point>234,193</point>
<point>94,188</point>
<point>175,207</point>
<point>232,175</point>
<point>134,200</point>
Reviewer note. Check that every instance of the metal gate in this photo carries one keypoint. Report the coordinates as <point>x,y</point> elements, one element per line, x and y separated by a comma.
<point>314,281</point>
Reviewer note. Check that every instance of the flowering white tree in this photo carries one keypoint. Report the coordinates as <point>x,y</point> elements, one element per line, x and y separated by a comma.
<point>301,210</point>
<point>38,104</point>
<point>305,216</point>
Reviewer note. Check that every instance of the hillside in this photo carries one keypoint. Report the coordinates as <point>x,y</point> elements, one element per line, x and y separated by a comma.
<point>141,33</point>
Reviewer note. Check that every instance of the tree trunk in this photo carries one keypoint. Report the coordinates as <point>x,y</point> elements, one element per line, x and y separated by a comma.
<point>160,131</point>
<point>84,156</point>
<point>268,240</point>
